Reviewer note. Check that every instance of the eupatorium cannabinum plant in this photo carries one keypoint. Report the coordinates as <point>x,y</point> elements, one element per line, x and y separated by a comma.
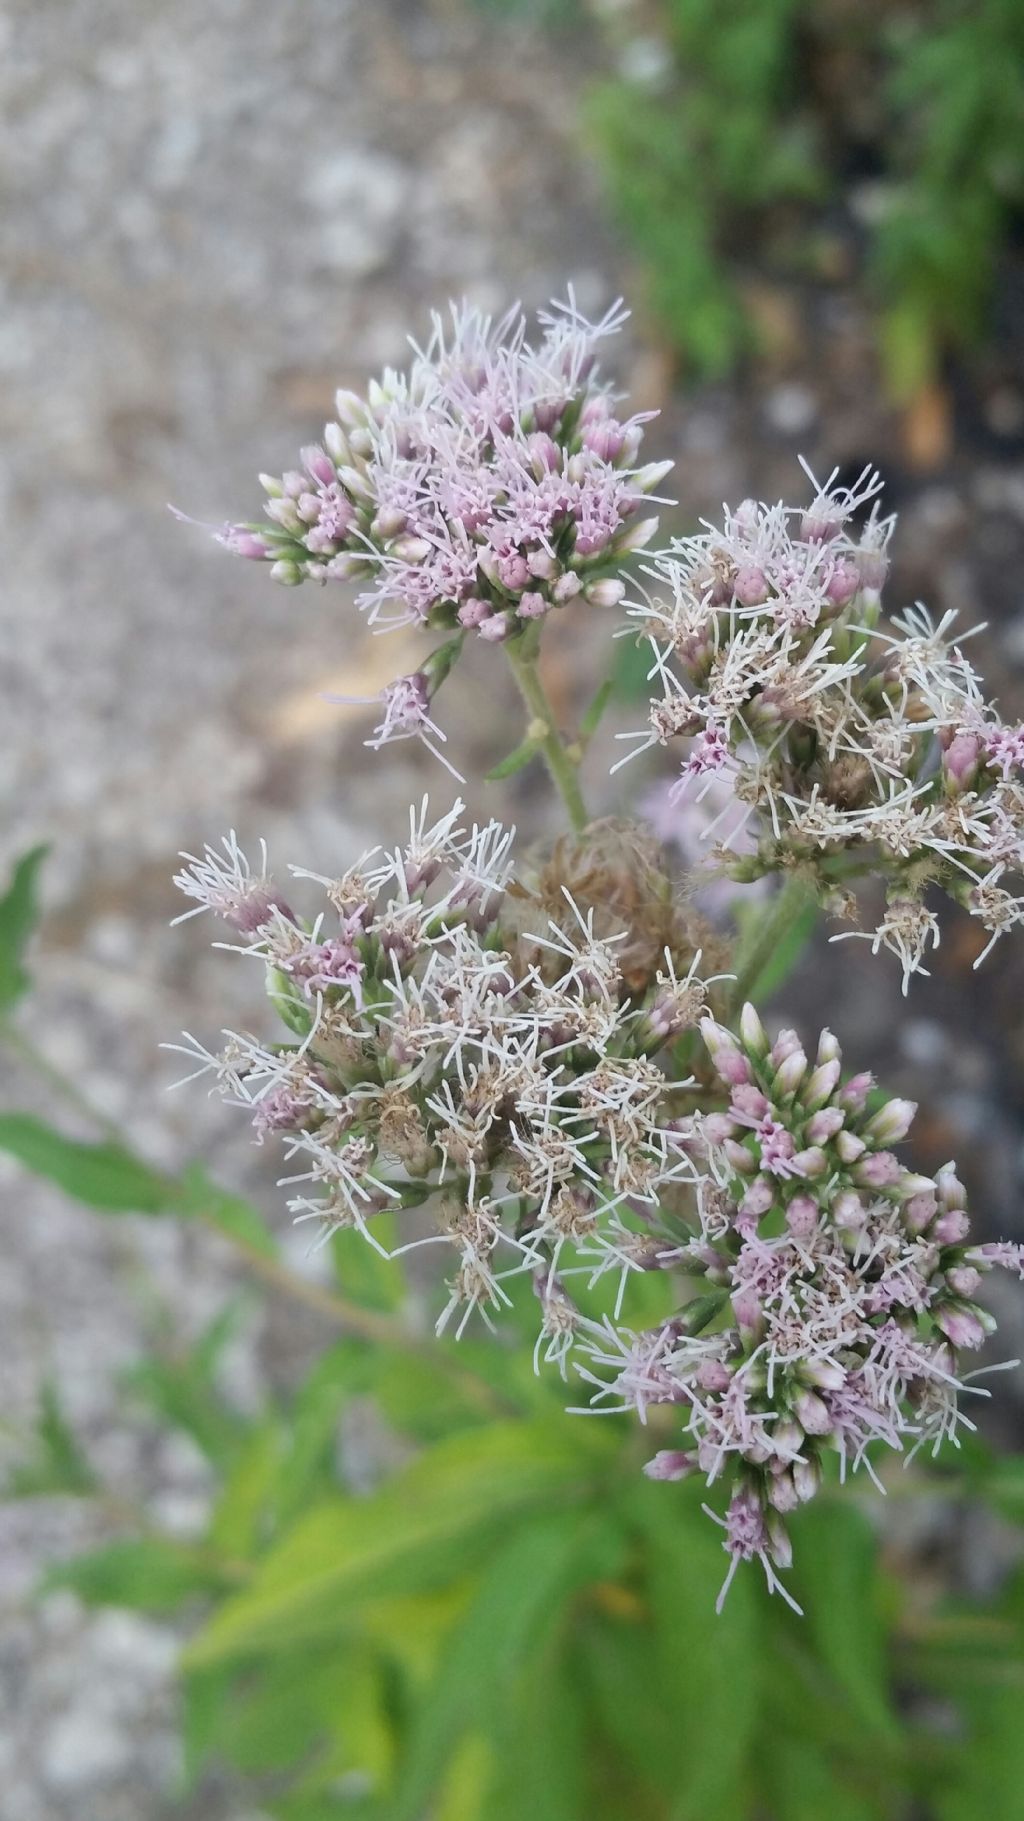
<point>552,1054</point>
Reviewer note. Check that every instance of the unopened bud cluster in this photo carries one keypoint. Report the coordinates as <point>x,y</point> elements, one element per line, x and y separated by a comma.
<point>839,1290</point>
<point>858,746</point>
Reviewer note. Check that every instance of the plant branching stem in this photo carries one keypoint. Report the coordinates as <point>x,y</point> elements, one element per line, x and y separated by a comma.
<point>787,904</point>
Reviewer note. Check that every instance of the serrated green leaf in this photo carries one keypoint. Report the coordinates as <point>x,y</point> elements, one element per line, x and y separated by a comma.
<point>18,916</point>
<point>103,1176</point>
<point>437,1516</point>
<point>151,1573</point>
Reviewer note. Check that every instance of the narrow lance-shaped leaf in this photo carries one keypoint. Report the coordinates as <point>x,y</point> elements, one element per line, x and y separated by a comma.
<point>18,913</point>
<point>435,1518</point>
<point>104,1176</point>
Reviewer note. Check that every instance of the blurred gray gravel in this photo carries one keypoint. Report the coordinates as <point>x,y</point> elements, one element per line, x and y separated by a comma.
<point>214,214</point>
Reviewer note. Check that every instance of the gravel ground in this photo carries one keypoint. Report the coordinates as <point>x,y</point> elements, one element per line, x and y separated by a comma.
<point>210,224</point>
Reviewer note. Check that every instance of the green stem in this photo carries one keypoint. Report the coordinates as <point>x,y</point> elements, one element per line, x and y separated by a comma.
<point>757,947</point>
<point>563,767</point>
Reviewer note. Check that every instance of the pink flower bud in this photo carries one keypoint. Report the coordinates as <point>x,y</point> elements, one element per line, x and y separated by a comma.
<point>811,1162</point>
<point>789,1074</point>
<point>605,440</point>
<point>717,1127</point>
<point>747,1311</point>
<point>849,1146</point>
<point>739,1157</point>
<point>608,592</point>
<point>567,587</point>
<point>319,465</point>
<point>731,1066</point>
<point>748,1101</point>
<point>714,1375</point>
<point>806,1479</point>
<point>843,583</point>
<point>960,1326</point>
<point>532,606</point>
<point>543,565</point>
<point>822,1084</point>
<point>779,1546</point>
<point>786,1043</point>
<point>812,1413</point>
<point>787,1438</point>
<point>752,1031</point>
<point>919,1212</point>
<point>892,1122</point>
<point>848,1211</point>
<point>802,1216</point>
<point>952,1227</point>
<point>878,1171</point>
<point>758,1199</point>
<point>823,1125</point>
<point>952,1193</point>
<point>750,586</point>
<point>496,629</point>
<point>544,453</point>
<point>964,1279</point>
<point>782,1492</point>
<point>474,611</point>
<point>670,1464</point>
<point>853,1093</point>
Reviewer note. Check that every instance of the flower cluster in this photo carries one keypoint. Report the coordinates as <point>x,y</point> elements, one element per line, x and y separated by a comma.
<point>455,1043</point>
<point>490,484</point>
<point>448,1045</point>
<point>854,745</point>
<point>839,1291</point>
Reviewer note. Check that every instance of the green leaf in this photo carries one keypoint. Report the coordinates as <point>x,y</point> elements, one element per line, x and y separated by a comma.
<point>592,715</point>
<point>540,1755</point>
<point>103,1176</point>
<point>515,761</point>
<point>58,1466</point>
<point>989,1775</point>
<point>197,1195</point>
<point>711,1664</point>
<point>364,1276</point>
<point>437,1516</point>
<point>151,1573</point>
<point>772,939</point>
<point>520,1599</point>
<point>243,1512</point>
<point>18,915</point>
<point>801,1783</point>
<point>630,679</point>
<point>835,1579</point>
<point>180,1387</point>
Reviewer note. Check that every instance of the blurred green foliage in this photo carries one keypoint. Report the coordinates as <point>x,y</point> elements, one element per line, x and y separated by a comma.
<point>515,1625</point>
<point>735,129</point>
